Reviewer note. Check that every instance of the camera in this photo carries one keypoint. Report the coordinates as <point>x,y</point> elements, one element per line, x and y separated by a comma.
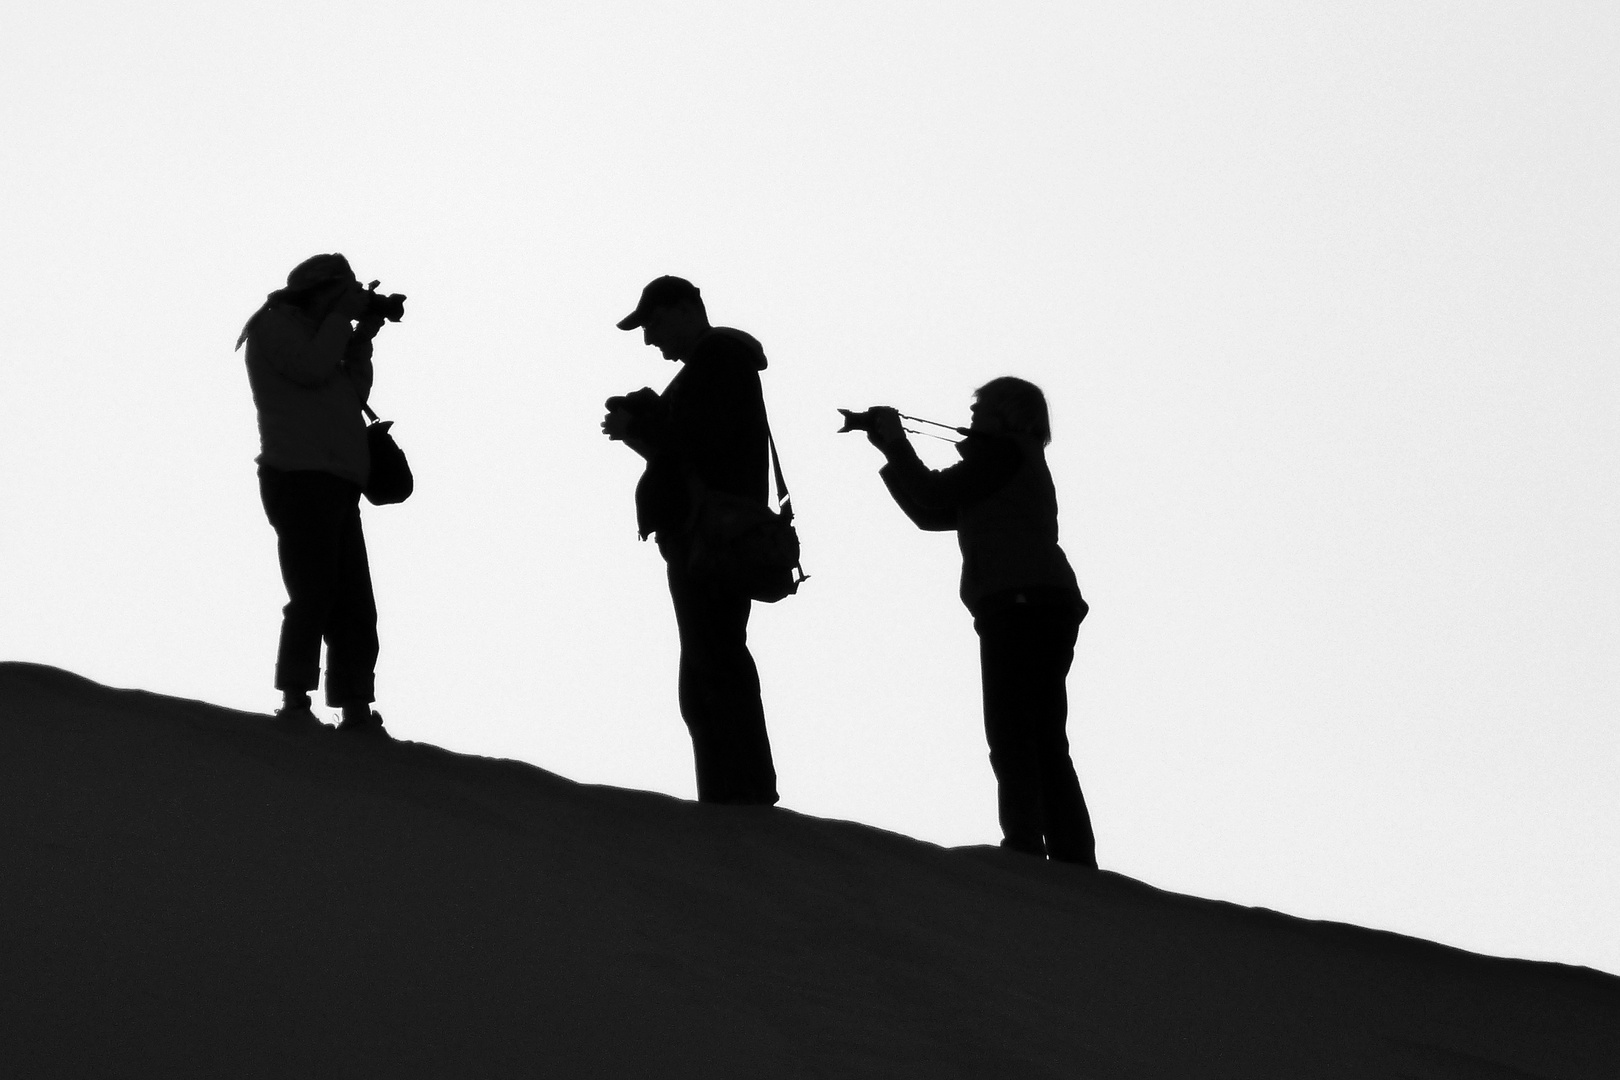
<point>643,402</point>
<point>867,421</point>
<point>379,306</point>
<point>858,421</point>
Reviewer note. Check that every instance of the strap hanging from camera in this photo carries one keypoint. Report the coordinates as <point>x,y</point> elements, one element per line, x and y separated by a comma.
<point>933,435</point>
<point>863,421</point>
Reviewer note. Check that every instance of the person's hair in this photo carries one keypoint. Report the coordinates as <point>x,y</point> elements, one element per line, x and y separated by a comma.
<point>1021,404</point>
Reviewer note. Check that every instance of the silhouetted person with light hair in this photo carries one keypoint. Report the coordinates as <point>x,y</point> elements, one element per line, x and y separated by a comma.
<point>1025,602</point>
<point>309,366</point>
<point>707,430</point>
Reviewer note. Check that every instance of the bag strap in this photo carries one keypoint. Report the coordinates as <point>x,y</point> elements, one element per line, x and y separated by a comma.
<point>364,407</point>
<point>784,502</point>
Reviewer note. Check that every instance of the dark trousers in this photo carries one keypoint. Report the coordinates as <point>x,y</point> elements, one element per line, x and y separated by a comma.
<point>323,563</point>
<point>719,690</point>
<point>1024,655</point>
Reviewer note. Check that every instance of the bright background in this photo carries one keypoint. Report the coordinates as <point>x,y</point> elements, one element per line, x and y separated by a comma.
<point>1324,302</point>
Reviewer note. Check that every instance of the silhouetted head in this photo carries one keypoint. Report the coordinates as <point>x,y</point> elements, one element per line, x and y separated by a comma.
<point>671,316</point>
<point>318,270</point>
<point>1012,406</point>
<point>312,286</point>
<point>316,282</point>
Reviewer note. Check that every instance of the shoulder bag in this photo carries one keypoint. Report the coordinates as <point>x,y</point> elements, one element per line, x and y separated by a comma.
<point>746,545</point>
<point>390,480</point>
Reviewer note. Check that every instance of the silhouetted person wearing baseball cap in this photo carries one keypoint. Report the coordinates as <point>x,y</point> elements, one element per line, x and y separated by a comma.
<point>707,430</point>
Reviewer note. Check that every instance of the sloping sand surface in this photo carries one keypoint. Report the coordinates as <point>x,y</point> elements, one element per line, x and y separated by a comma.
<point>187,893</point>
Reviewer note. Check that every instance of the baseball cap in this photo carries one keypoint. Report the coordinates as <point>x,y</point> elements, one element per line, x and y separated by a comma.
<point>661,292</point>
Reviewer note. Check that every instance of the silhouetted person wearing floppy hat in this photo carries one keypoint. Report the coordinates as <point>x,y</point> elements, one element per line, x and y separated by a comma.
<point>706,430</point>
<point>309,366</point>
<point>1025,601</point>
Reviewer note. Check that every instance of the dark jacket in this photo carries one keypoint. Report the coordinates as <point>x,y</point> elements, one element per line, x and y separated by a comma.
<point>709,426</point>
<point>308,389</point>
<point>1000,500</point>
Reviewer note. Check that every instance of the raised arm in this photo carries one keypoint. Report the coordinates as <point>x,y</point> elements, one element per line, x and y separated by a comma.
<point>931,497</point>
<point>302,359</point>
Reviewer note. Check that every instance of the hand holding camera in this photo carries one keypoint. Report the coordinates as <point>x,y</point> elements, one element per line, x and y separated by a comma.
<point>373,309</point>
<point>623,410</point>
<point>380,307</point>
<point>616,424</point>
<point>368,308</point>
<point>881,424</point>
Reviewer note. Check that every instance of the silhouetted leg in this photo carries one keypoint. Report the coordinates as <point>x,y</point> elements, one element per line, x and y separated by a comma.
<point>719,693</point>
<point>1004,672</point>
<point>351,626</point>
<point>1026,653</point>
<point>1067,824</point>
<point>307,511</point>
<point>691,693</point>
<point>738,710</point>
<point>692,685</point>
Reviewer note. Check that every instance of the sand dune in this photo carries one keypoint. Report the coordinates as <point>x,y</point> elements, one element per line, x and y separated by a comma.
<point>187,893</point>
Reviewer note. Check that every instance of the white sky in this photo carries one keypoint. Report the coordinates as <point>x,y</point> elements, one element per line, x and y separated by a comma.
<point>1324,305</point>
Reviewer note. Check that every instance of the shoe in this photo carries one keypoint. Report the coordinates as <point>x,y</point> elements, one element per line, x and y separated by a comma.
<point>291,720</point>
<point>369,725</point>
<point>746,800</point>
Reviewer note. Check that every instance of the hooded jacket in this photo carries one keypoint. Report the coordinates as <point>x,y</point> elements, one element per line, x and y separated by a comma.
<point>707,426</point>
<point>308,391</point>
